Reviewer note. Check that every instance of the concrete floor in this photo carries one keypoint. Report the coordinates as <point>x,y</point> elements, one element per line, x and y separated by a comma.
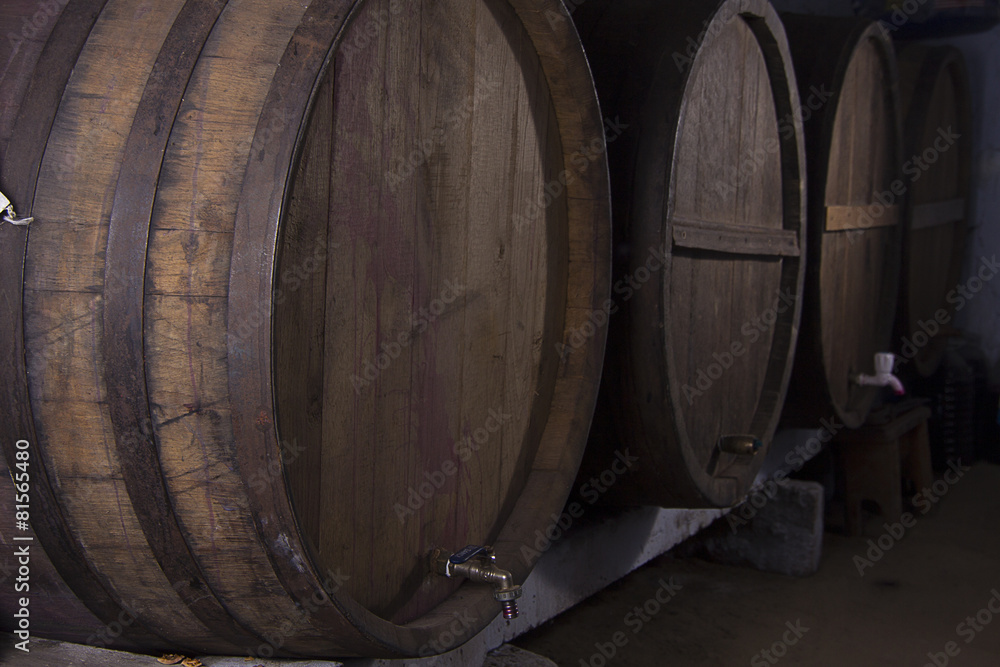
<point>928,593</point>
<point>913,604</point>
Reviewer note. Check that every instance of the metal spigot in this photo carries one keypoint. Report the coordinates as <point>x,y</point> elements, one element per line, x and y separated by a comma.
<point>744,445</point>
<point>478,564</point>
<point>884,363</point>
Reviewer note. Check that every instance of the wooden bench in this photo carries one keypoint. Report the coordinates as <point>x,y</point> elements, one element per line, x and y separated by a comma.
<point>876,457</point>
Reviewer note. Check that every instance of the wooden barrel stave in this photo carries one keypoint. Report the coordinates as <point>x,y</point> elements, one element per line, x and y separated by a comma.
<point>54,610</point>
<point>27,25</point>
<point>64,276</point>
<point>22,157</point>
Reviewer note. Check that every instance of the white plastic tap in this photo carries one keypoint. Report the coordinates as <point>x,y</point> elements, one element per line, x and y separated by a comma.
<point>884,362</point>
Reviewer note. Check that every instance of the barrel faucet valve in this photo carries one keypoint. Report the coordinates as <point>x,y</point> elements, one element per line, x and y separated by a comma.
<point>744,445</point>
<point>478,564</point>
<point>884,362</point>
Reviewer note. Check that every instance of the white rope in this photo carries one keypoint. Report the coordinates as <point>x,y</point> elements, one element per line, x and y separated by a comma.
<point>9,215</point>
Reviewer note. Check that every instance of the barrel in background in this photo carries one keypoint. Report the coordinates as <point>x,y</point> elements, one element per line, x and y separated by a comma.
<point>848,85</point>
<point>708,190</point>
<point>232,216</point>
<point>937,134</point>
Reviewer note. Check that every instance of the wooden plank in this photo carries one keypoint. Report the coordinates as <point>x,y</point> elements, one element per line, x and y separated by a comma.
<point>300,303</point>
<point>937,213</point>
<point>20,160</point>
<point>734,239</point>
<point>186,316</point>
<point>19,53</point>
<point>65,261</point>
<point>446,146</point>
<point>847,218</point>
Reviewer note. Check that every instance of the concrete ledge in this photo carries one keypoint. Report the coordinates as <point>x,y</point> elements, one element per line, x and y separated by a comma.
<point>600,548</point>
<point>779,528</point>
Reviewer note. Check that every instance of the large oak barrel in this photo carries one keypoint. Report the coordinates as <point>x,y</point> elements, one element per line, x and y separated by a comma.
<point>708,179</point>
<point>937,141</point>
<point>290,312</point>
<point>849,89</point>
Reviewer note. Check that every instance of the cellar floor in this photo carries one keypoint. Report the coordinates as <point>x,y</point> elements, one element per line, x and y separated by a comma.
<point>909,607</point>
<point>925,591</point>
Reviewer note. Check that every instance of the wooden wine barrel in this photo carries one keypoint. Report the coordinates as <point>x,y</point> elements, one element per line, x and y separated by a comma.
<point>937,138</point>
<point>849,90</point>
<point>708,179</point>
<point>290,312</point>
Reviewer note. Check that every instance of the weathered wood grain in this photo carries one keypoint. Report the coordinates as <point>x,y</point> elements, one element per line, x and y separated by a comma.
<point>26,28</point>
<point>23,155</point>
<point>708,185</point>
<point>855,205</point>
<point>223,238</point>
<point>449,307</point>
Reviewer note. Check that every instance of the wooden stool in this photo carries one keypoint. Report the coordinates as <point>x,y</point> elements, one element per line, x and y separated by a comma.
<point>876,457</point>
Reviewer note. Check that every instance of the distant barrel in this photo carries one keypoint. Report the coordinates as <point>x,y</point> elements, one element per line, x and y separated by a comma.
<point>849,89</point>
<point>937,136</point>
<point>708,178</point>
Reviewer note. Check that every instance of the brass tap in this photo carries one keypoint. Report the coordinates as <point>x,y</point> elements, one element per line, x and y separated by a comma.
<point>744,445</point>
<point>478,564</point>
